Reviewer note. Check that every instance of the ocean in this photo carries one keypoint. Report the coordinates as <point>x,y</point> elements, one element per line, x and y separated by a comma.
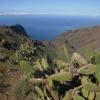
<point>48,27</point>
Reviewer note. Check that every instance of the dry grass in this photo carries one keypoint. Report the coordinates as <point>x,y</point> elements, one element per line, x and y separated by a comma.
<point>81,38</point>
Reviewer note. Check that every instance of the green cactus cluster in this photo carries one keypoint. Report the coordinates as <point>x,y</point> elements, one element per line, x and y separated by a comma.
<point>73,79</point>
<point>24,53</point>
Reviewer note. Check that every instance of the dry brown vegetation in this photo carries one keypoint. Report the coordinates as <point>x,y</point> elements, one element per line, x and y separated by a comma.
<point>81,38</point>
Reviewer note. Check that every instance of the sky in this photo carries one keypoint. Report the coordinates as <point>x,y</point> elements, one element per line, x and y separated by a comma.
<point>78,7</point>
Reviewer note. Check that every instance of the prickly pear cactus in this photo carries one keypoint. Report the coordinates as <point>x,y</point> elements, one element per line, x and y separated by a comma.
<point>60,82</point>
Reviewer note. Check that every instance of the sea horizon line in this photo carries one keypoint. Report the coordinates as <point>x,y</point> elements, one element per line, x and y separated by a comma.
<point>67,14</point>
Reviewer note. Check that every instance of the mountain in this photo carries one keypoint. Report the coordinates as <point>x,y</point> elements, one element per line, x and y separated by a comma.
<point>81,38</point>
<point>23,59</point>
<point>11,37</point>
<point>16,45</point>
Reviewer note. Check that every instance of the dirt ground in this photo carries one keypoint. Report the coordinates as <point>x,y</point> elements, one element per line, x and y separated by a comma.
<point>10,75</point>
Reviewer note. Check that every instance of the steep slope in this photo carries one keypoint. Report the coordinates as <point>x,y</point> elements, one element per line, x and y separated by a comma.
<point>12,37</point>
<point>81,38</point>
<point>16,46</point>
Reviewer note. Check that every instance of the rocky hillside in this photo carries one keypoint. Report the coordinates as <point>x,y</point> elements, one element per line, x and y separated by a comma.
<point>12,37</point>
<point>16,47</point>
<point>80,38</point>
<point>32,70</point>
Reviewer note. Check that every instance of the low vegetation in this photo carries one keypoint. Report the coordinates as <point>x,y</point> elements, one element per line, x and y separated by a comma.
<point>75,78</point>
<point>34,70</point>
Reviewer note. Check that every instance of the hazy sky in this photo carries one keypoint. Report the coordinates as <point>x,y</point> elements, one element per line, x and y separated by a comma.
<point>86,7</point>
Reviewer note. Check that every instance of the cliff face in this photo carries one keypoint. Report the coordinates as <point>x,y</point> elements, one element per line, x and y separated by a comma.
<point>81,38</point>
